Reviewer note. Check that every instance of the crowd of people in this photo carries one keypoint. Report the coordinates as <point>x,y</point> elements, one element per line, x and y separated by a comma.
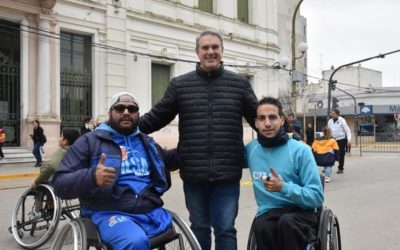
<point>119,173</point>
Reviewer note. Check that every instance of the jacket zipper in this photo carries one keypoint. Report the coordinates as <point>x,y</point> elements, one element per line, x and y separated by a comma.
<point>210,127</point>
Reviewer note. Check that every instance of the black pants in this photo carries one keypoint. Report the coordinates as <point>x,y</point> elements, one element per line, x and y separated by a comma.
<point>1,150</point>
<point>342,151</point>
<point>287,228</point>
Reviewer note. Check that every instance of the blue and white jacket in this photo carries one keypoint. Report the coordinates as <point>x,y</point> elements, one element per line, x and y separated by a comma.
<point>141,176</point>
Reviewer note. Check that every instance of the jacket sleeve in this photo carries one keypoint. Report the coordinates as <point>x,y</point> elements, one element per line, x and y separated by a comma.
<point>346,129</point>
<point>162,113</point>
<point>48,170</point>
<point>171,158</point>
<point>310,194</point>
<point>73,177</point>
<point>250,105</point>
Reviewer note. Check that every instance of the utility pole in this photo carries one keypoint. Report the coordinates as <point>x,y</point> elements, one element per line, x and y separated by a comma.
<point>294,92</point>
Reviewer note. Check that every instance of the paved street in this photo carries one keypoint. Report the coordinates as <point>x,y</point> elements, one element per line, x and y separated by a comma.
<point>365,199</point>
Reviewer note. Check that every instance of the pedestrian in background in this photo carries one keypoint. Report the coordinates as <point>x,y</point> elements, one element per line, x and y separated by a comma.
<point>67,138</point>
<point>341,133</point>
<point>2,141</point>
<point>310,134</point>
<point>88,125</point>
<point>296,124</point>
<point>211,102</point>
<point>326,152</point>
<point>39,139</point>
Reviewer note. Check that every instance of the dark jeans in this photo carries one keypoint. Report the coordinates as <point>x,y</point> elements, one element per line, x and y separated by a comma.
<point>213,205</point>
<point>342,151</point>
<point>36,152</point>
<point>288,228</point>
<point>1,150</point>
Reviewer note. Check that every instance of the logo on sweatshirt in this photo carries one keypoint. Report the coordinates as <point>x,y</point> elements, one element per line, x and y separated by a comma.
<point>113,220</point>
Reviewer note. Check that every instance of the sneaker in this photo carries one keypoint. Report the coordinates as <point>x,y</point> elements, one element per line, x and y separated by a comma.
<point>340,171</point>
<point>327,179</point>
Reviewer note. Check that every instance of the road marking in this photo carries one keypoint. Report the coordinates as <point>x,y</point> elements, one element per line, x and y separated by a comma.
<point>246,183</point>
<point>18,176</point>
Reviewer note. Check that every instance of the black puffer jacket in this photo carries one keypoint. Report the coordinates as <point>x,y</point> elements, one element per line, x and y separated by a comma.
<point>210,107</point>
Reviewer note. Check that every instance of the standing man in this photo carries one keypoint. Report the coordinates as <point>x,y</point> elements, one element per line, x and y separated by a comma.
<point>286,183</point>
<point>341,133</point>
<point>211,102</point>
<point>119,175</point>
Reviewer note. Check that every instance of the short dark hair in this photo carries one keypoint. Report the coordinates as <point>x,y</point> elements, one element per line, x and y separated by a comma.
<point>272,101</point>
<point>336,111</point>
<point>87,119</point>
<point>209,32</point>
<point>37,121</point>
<point>71,135</point>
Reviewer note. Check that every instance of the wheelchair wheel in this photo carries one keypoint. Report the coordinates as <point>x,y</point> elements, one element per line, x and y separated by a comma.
<point>35,217</point>
<point>188,239</point>
<point>329,231</point>
<point>71,237</point>
<point>70,209</point>
<point>251,241</point>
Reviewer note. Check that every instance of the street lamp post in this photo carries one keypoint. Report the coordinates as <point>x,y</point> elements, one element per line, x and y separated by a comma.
<point>330,82</point>
<point>294,93</point>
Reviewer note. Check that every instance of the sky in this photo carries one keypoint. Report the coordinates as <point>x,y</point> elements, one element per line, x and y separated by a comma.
<point>344,31</point>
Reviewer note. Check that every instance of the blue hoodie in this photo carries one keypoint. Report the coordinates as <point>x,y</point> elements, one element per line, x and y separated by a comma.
<point>295,164</point>
<point>141,176</point>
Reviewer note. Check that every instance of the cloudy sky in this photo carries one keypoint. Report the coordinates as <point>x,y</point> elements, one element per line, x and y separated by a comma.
<point>343,31</point>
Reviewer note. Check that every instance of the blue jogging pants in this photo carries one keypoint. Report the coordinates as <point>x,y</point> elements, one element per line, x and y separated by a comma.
<point>131,231</point>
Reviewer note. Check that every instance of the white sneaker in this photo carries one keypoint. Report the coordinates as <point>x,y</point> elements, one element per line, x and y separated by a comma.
<point>327,179</point>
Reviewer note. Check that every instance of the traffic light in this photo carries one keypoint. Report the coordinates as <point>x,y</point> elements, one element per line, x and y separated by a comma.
<point>333,84</point>
<point>335,104</point>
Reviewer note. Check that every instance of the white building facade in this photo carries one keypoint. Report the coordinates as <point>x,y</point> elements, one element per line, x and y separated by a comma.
<point>73,55</point>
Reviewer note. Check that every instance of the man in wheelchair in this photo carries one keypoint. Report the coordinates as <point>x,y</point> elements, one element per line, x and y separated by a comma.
<point>286,183</point>
<point>119,175</point>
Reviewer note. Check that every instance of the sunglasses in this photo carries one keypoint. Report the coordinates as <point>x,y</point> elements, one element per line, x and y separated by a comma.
<point>121,108</point>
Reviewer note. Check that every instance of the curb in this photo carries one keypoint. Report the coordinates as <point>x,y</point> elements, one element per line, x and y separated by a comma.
<point>6,177</point>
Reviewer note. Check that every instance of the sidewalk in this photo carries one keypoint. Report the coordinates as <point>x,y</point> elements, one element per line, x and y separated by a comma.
<point>13,175</point>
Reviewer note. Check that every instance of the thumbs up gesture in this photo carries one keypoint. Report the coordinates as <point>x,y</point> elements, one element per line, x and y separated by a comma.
<point>274,184</point>
<point>104,175</point>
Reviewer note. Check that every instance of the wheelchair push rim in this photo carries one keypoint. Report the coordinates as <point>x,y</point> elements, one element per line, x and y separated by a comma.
<point>35,216</point>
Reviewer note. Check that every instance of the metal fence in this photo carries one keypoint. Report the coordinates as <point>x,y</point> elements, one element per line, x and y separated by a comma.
<point>380,142</point>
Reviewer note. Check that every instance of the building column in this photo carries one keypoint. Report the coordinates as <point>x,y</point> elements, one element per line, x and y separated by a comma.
<point>43,68</point>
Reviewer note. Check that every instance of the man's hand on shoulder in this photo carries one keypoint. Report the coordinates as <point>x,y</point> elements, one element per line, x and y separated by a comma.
<point>105,176</point>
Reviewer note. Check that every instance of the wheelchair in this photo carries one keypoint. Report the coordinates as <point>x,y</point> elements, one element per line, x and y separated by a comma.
<point>327,238</point>
<point>37,214</point>
<point>82,234</point>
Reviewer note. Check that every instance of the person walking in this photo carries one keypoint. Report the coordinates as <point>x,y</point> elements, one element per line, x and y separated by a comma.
<point>39,139</point>
<point>2,141</point>
<point>326,152</point>
<point>342,134</point>
<point>211,102</point>
<point>286,183</point>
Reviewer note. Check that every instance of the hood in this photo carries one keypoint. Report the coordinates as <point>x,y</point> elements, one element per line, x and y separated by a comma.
<point>104,126</point>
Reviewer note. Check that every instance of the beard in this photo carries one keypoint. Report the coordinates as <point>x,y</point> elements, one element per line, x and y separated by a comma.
<point>115,124</point>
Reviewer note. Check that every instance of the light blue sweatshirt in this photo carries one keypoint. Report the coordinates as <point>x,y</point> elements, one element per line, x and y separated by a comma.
<point>295,164</point>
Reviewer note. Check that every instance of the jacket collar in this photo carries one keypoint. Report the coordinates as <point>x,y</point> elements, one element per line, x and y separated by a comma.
<point>213,74</point>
